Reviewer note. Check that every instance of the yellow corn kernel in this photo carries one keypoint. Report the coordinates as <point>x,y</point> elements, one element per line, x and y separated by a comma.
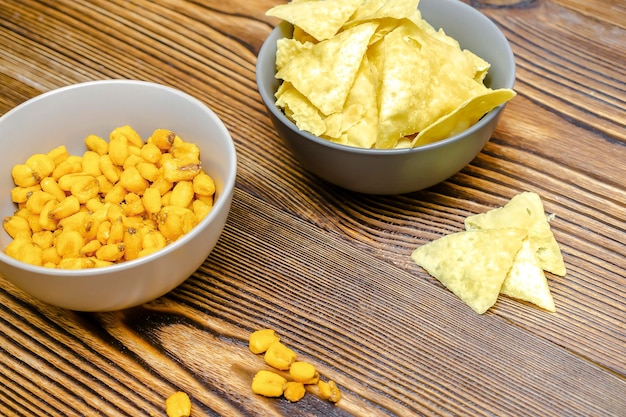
<point>268,384</point>
<point>162,184</point>
<point>150,153</point>
<point>165,200</point>
<point>104,184</point>
<point>117,232</point>
<point>69,243</point>
<point>23,176</point>
<point>41,164</point>
<point>114,211</point>
<point>44,239</point>
<point>24,250</point>
<point>85,188</point>
<point>303,372</point>
<point>38,200</point>
<point>16,227</point>
<point>186,151</point>
<point>45,220</point>
<point>68,206</point>
<point>200,209</point>
<point>132,137</point>
<point>90,227</point>
<point>118,150</point>
<point>50,185</point>
<point>132,159</point>
<point>72,164</point>
<point>294,391</point>
<point>50,257</point>
<point>109,169</point>
<point>203,185</point>
<point>91,163</point>
<point>111,252</point>
<point>22,194</point>
<point>104,232</point>
<point>94,205</point>
<point>58,154</point>
<point>178,405</point>
<point>97,144</point>
<point>162,138</point>
<point>132,243</point>
<point>260,340</point>
<point>133,205</point>
<point>151,200</point>
<point>76,222</point>
<point>174,221</point>
<point>148,170</point>
<point>33,222</point>
<point>175,170</point>
<point>182,194</point>
<point>116,195</point>
<point>90,248</point>
<point>153,241</point>
<point>279,356</point>
<point>329,391</point>
<point>76,263</point>
<point>132,180</point>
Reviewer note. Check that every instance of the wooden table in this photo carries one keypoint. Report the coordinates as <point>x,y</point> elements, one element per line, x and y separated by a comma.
<point>328,269</point>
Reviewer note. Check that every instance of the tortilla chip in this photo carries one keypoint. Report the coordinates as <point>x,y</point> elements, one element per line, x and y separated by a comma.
<point>472,264</point>
<point>381,9</point>
<point>464,116</point>
<point>320,19</point>
<point>299,109</point>
<point>440,79</point>
<point>526,280</point>
<point>325,73</point>
<point>525,211</point>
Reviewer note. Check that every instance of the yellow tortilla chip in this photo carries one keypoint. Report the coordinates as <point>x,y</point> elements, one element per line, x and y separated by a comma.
<point>320,19</point>
<point>381,9</point>
<point>463,117</point>
<point>357,124</point>
<point>525,211</point>
<point>526,280</point>
<point>472,264</point>
<point>422,79</point>
<point>299,109</point>
<point>325,73</point>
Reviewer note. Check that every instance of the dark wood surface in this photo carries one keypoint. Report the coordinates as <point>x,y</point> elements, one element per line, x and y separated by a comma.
<point>328,269</point>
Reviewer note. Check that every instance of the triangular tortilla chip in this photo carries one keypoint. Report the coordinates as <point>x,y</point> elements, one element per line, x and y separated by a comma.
<point>472,264</point>
<point>525,211</point>
<point>464,116</point>
<point>382,9</point>
<point>320,19</point>
<point>421,80</point>
<point>325,73</point>
<point>526,280</point>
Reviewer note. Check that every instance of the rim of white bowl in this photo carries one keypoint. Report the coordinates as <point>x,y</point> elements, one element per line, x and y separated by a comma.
<point>229,185</point>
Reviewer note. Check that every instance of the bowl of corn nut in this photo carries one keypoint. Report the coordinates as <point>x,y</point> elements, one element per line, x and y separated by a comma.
<point>114,193</point>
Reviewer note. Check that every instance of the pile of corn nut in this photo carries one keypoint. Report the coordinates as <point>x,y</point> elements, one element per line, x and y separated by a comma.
<point>122,199</point>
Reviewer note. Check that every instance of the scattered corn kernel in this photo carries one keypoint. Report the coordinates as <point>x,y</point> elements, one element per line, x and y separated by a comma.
<point>268,384</point>
<point>303,372</point>
<point>329,391</point>
<point>294,391</point>
<point>178,405</point>
<point>279,356</point>
<point>260,340</point>
<point>115,202</point>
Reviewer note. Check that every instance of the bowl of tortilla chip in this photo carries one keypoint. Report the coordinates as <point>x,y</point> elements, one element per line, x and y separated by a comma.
<point>384,97</point>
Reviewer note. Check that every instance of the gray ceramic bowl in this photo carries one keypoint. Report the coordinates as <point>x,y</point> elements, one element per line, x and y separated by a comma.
<point>398,171</point>
<point>64,117</point>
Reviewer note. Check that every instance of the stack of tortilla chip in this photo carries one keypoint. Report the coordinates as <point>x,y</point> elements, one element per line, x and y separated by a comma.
<point>503,251</point>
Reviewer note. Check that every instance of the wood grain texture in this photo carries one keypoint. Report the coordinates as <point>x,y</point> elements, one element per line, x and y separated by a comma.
<point>328,269</point>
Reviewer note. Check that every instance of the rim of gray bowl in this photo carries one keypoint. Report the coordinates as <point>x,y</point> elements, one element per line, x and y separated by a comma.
<point>285,29</point>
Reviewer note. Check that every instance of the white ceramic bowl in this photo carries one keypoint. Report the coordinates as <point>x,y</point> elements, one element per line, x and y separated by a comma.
<point>397,171</point>
<point>65,117</point>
